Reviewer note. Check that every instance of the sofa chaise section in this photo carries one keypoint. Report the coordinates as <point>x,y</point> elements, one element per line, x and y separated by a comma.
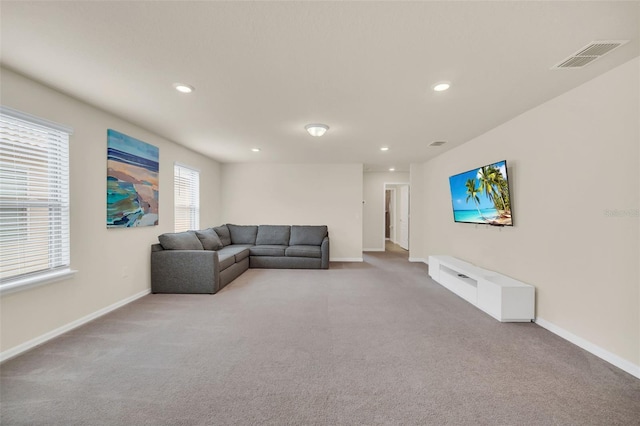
<point>181,264</point>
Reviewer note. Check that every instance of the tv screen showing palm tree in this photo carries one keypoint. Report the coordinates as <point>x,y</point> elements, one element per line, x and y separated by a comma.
<point>482,195</point>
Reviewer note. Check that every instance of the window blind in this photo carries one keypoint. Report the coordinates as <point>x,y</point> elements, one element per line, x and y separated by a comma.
<point>34,196</point>
<point>186,182</point>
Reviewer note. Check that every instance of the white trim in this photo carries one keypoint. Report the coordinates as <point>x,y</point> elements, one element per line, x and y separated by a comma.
<point>373,249</point>
<point>5,110</point>
<point>35,280</point>
<point>596,350</point>
<point>346,259</point>
<point>17,350</point>
<point>418,259</point>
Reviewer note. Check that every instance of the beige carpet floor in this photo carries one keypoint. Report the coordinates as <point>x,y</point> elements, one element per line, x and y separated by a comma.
<point>360,344</point>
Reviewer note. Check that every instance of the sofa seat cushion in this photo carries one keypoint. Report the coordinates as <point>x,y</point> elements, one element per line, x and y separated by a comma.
<point>268,250</point>
<point>273,235</point>
<point>307,235</point>
<point>239,251</point>
<point>209,239</point>
<point>243,234</point>
<point>180,241</point>
<point>226,260</point>
<point>223,233</point>
<point>303,251</point>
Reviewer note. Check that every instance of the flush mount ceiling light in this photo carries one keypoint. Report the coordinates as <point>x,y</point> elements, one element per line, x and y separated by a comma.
<point>384,148</point>
<point>183,88</point>
<point>255,149</point>
<point>392,169</point>
<point>316,129</point>
<point>442,86</point>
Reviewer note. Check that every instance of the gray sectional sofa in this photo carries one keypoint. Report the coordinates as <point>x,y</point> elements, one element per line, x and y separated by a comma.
<point>205,261</point>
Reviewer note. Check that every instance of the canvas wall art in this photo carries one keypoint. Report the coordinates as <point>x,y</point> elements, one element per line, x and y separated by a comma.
<point>132,182</point>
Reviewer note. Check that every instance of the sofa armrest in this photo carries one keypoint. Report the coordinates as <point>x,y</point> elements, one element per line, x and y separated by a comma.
<point>324,249</point>
<point>185,271</point>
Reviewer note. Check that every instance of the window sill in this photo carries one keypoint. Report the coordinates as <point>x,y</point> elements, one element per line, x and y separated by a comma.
<point>35,281</point>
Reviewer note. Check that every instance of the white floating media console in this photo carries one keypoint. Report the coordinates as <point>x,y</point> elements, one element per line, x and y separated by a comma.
<point>503,298</point>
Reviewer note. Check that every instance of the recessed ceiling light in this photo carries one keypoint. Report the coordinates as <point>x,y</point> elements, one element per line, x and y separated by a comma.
<point>183,88</point>
<point>384,148</point>
<point>316,129</point>
<point>392,169</point>
<point>255,149</point>
<point>442,86</point>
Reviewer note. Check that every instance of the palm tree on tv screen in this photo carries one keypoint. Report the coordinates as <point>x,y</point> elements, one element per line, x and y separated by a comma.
<point>495,187</point>
<point>503,187</point>
<point>488,182</point>
<point>472,192</point>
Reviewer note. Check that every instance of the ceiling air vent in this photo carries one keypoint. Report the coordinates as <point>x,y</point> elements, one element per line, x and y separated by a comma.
<point>437,143</point>
<point>589,53</point>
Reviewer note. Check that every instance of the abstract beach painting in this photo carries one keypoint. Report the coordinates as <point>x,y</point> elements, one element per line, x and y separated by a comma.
<point>132,182</point>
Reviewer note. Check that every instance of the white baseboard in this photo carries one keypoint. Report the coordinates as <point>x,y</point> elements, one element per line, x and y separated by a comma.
<point>418,259</point>
<point>596,350</point>
<point>373,249</point>
<point>17,350</point>
<point>346,259</point>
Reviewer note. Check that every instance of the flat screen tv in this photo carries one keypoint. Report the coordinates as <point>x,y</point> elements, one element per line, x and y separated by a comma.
<point>482,195</point>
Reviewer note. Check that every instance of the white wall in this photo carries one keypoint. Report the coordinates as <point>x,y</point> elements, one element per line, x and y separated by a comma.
<point>373,207</point>
<point>298,194</point>
<point>102,256</point>
<point>417,213</point>
<point>573,171</point>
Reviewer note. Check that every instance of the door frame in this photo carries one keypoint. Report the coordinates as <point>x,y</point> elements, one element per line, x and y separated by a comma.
<point>384,192</point>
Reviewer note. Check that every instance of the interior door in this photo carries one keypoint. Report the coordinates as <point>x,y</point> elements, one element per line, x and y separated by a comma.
<point>404,217</point>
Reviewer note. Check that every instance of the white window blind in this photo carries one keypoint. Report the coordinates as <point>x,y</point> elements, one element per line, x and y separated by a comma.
<point>34,196</point>
<point>186,182</point>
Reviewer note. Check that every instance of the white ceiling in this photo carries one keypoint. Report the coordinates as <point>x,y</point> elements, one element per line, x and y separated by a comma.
<point>262,70</point>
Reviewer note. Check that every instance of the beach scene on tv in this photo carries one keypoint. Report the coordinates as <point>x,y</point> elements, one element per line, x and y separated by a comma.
<point>482,195</point>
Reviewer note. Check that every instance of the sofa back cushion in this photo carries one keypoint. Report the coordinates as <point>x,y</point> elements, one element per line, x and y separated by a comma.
<point>223,233</point>
<point>180,241</point>
<point>243,234</point>
<point>209,239</point>
<point>273,235</point>
<point>307,235</point>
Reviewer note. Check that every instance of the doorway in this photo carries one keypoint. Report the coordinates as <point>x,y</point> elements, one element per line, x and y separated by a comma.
<point>396,216</point>
<point>390,214</point>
